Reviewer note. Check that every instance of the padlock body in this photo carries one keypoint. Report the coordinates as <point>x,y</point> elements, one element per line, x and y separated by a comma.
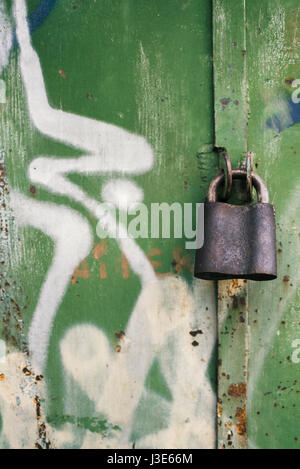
<point>239,242</point>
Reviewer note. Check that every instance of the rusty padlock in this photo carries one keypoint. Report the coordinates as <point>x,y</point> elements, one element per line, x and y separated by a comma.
<point>239,241</point>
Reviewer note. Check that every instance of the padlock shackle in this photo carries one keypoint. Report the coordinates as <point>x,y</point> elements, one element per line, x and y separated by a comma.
<point>258,182</point>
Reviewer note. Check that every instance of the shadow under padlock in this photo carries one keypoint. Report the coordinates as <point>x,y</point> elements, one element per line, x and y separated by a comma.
<point>239,240</point>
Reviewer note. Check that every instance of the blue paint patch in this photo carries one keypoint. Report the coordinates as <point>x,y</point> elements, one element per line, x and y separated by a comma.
<point>295,112</point>
<point>38,16</point>
<point>41,12</point>
<point>283,120</point>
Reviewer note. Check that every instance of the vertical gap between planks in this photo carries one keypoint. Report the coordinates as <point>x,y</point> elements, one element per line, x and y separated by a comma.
<point>231,113</point>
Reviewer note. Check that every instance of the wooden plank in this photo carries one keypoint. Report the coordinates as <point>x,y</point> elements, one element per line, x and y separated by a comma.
<point>104,343</point>
<point>230,86</point>
<point>273,38</point>
<point>230,77</point>
<point>232,364</point>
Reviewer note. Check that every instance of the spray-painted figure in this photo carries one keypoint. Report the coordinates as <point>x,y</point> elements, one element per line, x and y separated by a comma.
<point>165,309</point>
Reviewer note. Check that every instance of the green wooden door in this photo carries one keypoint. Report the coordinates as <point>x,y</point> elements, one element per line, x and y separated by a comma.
<point>109,342</point>
<point>256,57</point>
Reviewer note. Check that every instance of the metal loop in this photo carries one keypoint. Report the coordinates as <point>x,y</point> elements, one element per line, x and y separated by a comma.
<point>249,170</point>
<point>258,182</point>
<point>225,165</point>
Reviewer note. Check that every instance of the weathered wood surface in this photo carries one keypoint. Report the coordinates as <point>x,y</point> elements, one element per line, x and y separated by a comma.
<point>104,343</point>
<point>127,359</point>
<point>271,53</point>
<point>231,114</point>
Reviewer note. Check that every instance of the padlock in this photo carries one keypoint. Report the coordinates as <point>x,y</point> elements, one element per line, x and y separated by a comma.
<point>239,241</point>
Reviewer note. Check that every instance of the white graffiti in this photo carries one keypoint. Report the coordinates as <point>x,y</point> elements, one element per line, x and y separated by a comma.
<point>296,353</point>
<point>2,351</point>
<point>159,327</point>
<point>5,37</point>
<point>110,148</point>
<point>72,238</point>
<point>16,404</point>
<point>5,47</point>
<point>122,193</point>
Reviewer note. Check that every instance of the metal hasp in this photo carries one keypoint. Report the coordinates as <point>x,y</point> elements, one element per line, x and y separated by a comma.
<point>239,241</point>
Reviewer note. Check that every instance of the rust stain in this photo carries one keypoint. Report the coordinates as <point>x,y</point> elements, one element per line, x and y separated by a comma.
<point>102,271</point>
<point>120,335</point>
<point>37,403</point>
<point>124,266</point>
<point>228,425</point>
<point>154,252</point>
<point>243,301</point>
<point>26,371</point>
<point>62,73</point>
<point>2,376</point>
<point>235,302</point>
<point>156,264</point>
<point>195,333</point>
<point>43,437</point>
<point>80,272</point>
<point>180,262</point>
<point>225,101</point>
<point>241,425</point>
<point>100,249</point>
<point>237,390</point>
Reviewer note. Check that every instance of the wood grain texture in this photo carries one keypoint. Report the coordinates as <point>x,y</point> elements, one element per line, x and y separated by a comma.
<point>230,88</point>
